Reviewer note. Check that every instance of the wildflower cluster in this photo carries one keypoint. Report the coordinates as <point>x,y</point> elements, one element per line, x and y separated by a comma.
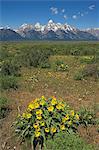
<point>46,117</point>
<point>87,59</point>
<point>61,66</point>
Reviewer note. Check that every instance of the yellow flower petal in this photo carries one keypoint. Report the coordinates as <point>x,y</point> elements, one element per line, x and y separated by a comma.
<point>39,117</point>
<point>77,116</point>
<point>42,123</point>
<point>37,133</point>
<point>39,112</point>
<point>54,101</point>
<point>46,130</point>
<point>50,108</point>
<point>62,127</point>
<point>35,125</point>
<point>53,129</point>
<point>59,107</point>
<point>72,113</point>
<point>42,102</point>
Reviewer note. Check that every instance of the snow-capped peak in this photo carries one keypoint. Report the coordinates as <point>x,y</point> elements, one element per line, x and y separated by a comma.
<point>50,26</point>
<point>26,26</point>
<point>38,26</point>
<point>6,27</point>
<point>58,26</point>
<point>1,27</point>
<point>50,21</point>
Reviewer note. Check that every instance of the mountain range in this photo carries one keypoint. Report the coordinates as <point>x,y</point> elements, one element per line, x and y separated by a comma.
<point>49,31</point>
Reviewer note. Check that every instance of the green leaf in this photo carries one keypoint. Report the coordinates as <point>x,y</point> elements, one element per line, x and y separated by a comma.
<point>23,132</point>
<point>43,134</point>
<point>48,121</point>
<point>32,139</point>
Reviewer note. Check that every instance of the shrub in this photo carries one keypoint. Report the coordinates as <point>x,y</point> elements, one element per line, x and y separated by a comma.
<point>66,141</point>
<point>45,65</point>
<point>4,108</point>
<point>61,66</point>
<point>87,116</point>
<point>35,57</point>
<point>8,82</point>
<point>3,53</point>
<point>75,51</point>
<point>91,70</point>
<point>44,118</point>
<point>87,59</point>
<point>79,75</point>
<point>9,67</point>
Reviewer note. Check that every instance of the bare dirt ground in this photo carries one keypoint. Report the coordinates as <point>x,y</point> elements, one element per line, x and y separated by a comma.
<point>20,100</point>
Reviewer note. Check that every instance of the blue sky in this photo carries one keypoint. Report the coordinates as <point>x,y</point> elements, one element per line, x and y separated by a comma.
<point>81,14</point>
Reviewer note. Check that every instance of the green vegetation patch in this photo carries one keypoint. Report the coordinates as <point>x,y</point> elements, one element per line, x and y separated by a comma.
<point>4,107</point>
<point>8,82</point>
<point>67,141</point>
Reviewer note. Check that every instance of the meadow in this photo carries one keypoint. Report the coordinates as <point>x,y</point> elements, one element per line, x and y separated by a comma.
<point>65,70</point>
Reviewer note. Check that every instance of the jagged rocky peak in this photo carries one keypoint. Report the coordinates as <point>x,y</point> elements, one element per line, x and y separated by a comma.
<point>93,31</point>
<point>37,26</point>
<point>26,26</point>
<point>50,21</point>
<point>51,25</point>
<point>1,27</point>
<point>6,27</point>
<point>53,30</point>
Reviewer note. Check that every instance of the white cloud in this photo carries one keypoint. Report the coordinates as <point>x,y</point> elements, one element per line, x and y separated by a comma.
<point>74,16</point>
<point>65,16</point>
<point>54,10</point>
<point>91,7</point>
<point>63,10</point>
<point>81,14</point>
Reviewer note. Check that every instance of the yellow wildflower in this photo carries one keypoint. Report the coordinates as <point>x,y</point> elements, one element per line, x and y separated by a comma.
<point>39,112</point>
<point>36,100</point>
<point>42,123</point>
<point>42,102</point>
<point>38,129</point>
<point>43,98</point>
<point>53,97</point>
<point>46,130</point>
<point>37,133</point>
<point>65,119</point>
<point>35,125</point>
<point>72,113</point>
<point>23,115</point>
<point>62,105</point>
<point>59,107</point>
<point>54,101</point>
<point>67,116</point>
<point>53,129</point>
<point>50,108</point>
<point>31,106</point>
<point>36,105</point>
<point>62,127</point>
<point>26,115</point>
<point>39,117</point>
<point>77,116</point>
